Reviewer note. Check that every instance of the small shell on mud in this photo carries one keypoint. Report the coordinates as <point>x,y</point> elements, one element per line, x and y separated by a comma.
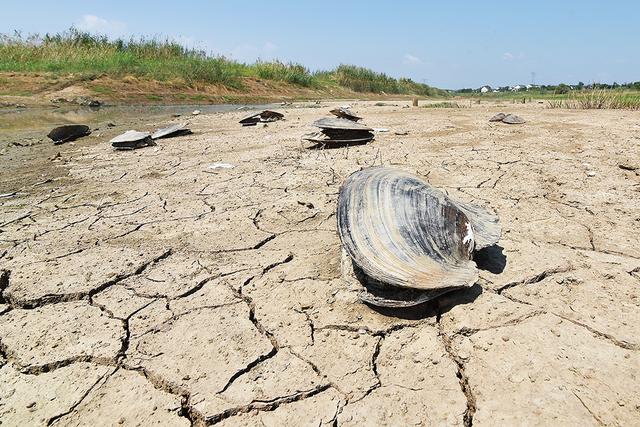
<point>265,116</point>
<point>68,133</point>
<point>345,113</point>
<point>512,119</point>
<point>498,117</point>
<point>408,241</point>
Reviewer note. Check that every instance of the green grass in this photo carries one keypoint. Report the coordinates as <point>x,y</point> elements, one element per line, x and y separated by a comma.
<point>444,105</point>
<point>90,56</point>
<point>290,73</point>
<point>103,90</point>
<point>599,99</point>
<point>361,79</point>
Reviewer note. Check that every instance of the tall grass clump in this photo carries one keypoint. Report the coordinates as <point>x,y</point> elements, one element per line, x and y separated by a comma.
<point>599,99</point>
<point>290,73</point>
<point>361,79</point>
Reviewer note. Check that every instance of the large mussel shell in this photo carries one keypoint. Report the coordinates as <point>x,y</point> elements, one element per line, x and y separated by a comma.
<point>410,241</point>
<point>67,133</point>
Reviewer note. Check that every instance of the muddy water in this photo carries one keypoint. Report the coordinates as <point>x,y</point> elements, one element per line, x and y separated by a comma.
<point>26,154</point>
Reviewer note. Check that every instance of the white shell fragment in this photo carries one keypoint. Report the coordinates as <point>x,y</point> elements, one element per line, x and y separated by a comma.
<point>221,166</point>
<point>409,241</point>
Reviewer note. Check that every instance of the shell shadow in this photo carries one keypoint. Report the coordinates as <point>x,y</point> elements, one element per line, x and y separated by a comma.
<point>491,259</point>
<point>416,312</point>
<point>334,145</point>
<point>458,297</point>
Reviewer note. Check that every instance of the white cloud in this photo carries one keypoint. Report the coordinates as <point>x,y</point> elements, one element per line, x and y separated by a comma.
<point>270,47</point>
<point>249,53</point>
<point>95,24</point>
<point>409,59</point>
<point>508,56</point>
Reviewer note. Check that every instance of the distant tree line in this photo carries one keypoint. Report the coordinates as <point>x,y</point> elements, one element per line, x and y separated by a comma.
<point>562,88</point>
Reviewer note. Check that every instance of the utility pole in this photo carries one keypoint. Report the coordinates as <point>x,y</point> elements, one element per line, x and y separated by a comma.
<point>533,78</point>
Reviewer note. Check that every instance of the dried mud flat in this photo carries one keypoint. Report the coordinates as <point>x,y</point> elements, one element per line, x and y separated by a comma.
<point>145,288</point>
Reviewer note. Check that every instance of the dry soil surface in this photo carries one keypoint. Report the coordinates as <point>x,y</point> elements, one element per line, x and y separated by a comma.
<point>145,287</point>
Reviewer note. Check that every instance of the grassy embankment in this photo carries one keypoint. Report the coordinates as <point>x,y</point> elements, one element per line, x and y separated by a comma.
<point>153,68</point>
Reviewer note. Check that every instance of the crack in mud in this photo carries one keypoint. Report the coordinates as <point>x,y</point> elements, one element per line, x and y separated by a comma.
<point>96,385</point>
<point>256,323</point>
<point>76,296</point>
<point>608,337</point>
<point>595,417</point>
<point>535,279</point>
<point>467,332</point>
<point>267,405</point>
<point>462,379</point>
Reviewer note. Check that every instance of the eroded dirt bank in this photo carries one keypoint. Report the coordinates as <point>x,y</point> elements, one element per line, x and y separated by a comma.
<point>144,287</point>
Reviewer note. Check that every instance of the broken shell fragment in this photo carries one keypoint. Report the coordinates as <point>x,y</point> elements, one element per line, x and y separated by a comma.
<point>409,241</point>
<point>131,140</point>
<point>68,133</point>
<point>265,116</point>
<point>512,119</point>
<point>345,113</point>
<point>178,129</point>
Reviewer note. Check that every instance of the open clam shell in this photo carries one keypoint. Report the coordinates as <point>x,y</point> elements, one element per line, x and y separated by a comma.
<point>177,129</point>
<point>410,240</point>
<point>131,140</point>
<point>265,116</point>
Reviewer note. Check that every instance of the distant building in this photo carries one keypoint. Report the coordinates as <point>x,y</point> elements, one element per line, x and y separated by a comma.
<point>485,89</point>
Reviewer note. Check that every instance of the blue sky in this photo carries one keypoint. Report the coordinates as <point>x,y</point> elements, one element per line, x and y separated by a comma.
<point>448,44</point>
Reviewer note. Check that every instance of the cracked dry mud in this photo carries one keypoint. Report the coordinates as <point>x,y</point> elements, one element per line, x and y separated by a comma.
<point>144,288</point>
